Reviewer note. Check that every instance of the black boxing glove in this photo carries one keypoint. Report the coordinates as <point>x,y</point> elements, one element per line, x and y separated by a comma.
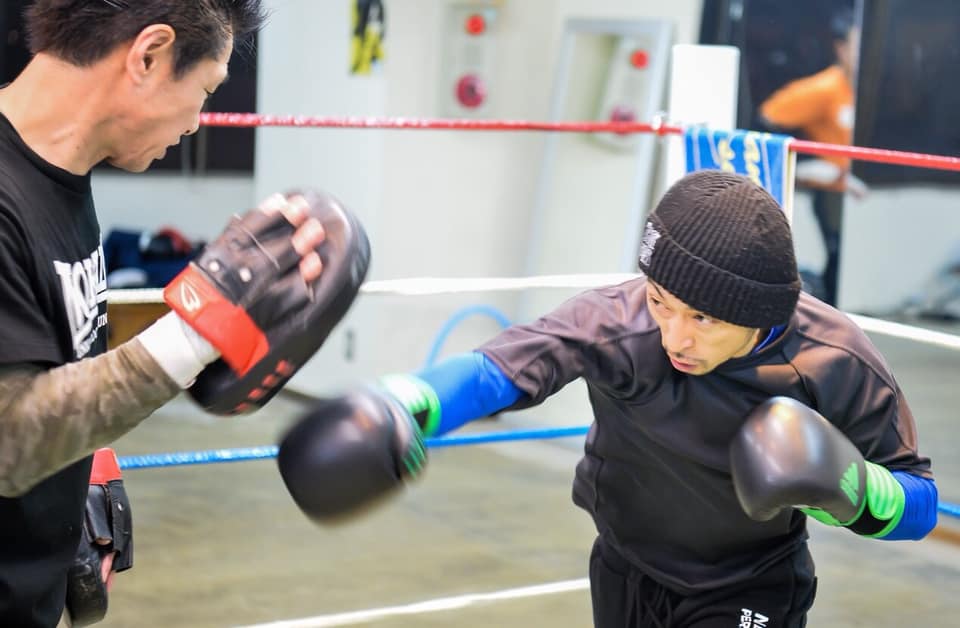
<point>786,455</point>
<point>349,453</point>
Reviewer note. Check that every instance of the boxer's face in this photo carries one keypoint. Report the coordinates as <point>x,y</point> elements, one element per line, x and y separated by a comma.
<point>162,106</point>
<point>696,343</point>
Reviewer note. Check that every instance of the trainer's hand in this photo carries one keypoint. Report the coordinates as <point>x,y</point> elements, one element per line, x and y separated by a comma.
<point>309,230</point>
<point>106,545</point>
<point>106,565</point>
<point>347,453</point>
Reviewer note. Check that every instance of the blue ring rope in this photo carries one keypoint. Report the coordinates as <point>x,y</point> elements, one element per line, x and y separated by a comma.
<point>949,509</point>
<point>262,453</point>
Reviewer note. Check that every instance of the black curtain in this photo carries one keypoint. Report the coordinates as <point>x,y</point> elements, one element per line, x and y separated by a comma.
<point>14,54</point>
<point>908,95</point>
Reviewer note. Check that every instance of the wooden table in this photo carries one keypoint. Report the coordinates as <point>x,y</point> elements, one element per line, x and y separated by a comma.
<point>127,317</point>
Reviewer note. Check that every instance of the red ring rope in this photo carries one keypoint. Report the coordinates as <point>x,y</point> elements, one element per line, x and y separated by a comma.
<point>905,158</point>
<point>881,155</point>
<point>253,120</point>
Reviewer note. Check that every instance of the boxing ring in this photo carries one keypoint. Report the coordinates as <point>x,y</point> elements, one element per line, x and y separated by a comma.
<point>424,500</point>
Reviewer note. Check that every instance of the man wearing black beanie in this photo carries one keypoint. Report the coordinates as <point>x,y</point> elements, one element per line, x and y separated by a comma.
<point>728,408</point>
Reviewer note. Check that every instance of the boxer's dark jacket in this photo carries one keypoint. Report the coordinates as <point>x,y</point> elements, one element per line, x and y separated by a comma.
<point>61,396</point>
<point>656,475</point>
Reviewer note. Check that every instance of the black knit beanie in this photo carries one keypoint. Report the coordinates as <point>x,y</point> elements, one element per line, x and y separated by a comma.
<point>722,245</point>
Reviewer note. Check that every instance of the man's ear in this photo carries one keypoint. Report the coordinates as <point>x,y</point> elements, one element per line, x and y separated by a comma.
<point>151,48</point>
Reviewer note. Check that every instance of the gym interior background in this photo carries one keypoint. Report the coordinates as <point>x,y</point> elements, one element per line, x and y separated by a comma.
<point>451,204</point>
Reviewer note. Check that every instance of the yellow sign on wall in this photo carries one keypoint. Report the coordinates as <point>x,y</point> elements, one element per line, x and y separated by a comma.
<point>368,34</point>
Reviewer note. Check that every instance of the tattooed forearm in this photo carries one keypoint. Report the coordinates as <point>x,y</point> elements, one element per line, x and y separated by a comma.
<point>49,419</point>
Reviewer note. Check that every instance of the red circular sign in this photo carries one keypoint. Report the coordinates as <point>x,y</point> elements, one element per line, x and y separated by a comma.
<point>471,91</point>
<point>475,24</point>
<point>639,59</point>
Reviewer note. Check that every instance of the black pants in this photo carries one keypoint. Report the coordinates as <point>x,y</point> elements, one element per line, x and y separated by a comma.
<point>624,597</point>
<point>828,210</point>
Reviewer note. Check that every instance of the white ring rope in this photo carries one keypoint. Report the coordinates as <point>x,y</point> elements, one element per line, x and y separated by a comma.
<point>432,286</point>
<point>425,286</point>
<point>458,602</point>
<point>907,332</point>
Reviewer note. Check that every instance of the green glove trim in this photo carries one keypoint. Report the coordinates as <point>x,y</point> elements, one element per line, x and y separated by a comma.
<point>885,498</point>
<point>822,516</point>
<point>849,483</point>
<point>415,457</point>
<point>413,450</point>
<point>418,397</point>
<point>884,503</point>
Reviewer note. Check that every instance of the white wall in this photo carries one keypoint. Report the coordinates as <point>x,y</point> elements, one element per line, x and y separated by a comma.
<point>894,241</point>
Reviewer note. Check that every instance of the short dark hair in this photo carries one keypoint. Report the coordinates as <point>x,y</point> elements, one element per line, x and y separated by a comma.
<point>84,31</point>
<point>841,23</point>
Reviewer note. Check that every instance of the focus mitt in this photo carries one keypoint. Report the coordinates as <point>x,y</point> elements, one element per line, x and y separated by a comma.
<point>245,295</point>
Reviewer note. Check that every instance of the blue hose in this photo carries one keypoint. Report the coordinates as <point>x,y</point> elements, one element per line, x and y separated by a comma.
<point>458,317</point>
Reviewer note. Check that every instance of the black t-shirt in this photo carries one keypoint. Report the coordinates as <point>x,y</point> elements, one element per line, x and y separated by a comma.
<point>52,311</point>
<point>656,474</point>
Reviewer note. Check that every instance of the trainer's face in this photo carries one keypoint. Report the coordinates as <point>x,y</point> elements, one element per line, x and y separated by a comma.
<point>696,343</point>
<point>163,107</point>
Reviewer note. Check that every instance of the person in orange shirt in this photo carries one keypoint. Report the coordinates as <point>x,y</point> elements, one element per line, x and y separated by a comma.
<point>820,108</point>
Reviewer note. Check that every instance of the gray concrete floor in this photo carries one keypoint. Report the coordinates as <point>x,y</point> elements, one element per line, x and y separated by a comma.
<point>223,545</point>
